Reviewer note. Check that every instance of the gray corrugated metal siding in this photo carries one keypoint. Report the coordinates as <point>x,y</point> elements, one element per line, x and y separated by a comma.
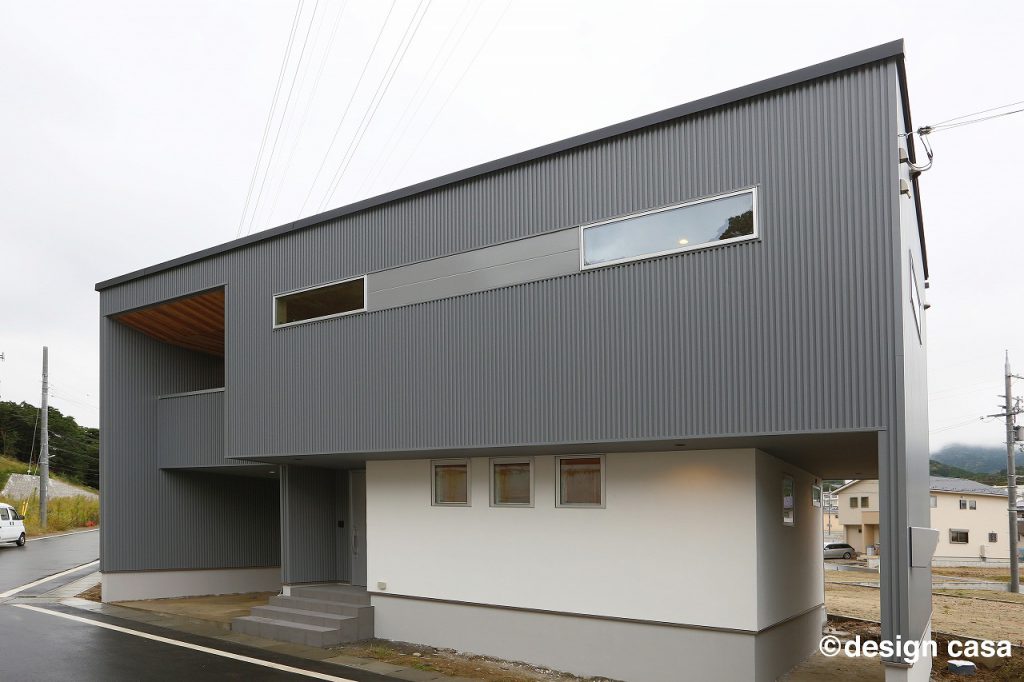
<point>788,333</point>
<point>151,518</point>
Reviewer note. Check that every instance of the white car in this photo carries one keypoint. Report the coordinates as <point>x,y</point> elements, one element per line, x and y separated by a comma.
<point>12,525</point>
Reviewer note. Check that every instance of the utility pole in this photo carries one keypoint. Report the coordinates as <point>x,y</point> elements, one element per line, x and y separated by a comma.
<point>1011,476</point>
<point>44,443</point>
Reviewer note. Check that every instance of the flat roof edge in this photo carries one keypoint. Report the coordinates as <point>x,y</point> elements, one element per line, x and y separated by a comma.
<point>885,51</point>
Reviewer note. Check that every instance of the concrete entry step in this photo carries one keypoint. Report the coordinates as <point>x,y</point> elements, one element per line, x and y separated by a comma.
<point>284,631</point>
<point>321,605</point>
<point>346,594</point>
<point>316,615</point>
<point>327,620</point>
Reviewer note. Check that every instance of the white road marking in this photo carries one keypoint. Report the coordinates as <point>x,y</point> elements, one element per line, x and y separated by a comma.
<point>62,535</point>
<point>186,645</point>
<point>47,579</point>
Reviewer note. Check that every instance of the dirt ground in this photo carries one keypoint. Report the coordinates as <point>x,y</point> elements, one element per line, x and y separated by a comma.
<point>455,664</point>
<point>1012,669</point>
<point>997,574</point>
<point>220,608</point>
<point>94,593</point>
<point>960,615</point>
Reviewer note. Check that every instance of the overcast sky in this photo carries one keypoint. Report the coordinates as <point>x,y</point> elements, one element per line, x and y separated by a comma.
<point>129,132</point>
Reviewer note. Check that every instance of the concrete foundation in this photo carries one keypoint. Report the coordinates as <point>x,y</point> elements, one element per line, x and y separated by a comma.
<point>587,645</point>
<point>128,586</point>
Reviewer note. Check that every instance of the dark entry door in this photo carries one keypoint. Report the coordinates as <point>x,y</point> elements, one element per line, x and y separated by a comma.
<point>357,514</point>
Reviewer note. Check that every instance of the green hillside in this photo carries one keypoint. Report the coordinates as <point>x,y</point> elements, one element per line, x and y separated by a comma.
<point>74,449</point>
<point>997,478</point>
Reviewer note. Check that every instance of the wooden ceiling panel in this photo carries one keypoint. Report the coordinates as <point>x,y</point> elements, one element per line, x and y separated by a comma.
<point>195,322</point>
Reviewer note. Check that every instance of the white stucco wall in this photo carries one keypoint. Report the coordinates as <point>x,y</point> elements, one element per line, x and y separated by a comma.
<point>675,542</point>
<point>789,558</point>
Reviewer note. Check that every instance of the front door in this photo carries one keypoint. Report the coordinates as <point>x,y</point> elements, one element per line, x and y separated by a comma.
<point>357,515</point>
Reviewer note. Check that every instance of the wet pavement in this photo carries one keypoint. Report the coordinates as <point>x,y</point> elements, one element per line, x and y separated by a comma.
<point>41,557</point>
<point>48,637</point>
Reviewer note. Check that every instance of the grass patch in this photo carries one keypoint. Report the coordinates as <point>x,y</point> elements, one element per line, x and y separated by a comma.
<point>62,513</point>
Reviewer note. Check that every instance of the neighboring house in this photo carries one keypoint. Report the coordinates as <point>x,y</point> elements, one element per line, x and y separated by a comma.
<point>858,514</point>
<point>568,407</point>
<point>971,519</point>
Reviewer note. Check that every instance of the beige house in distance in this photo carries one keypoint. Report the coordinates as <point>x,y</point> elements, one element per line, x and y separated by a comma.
<point>970,517</point>
<point>858,513</point>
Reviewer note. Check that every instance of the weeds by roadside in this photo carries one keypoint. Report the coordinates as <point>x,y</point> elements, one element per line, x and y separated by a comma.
<point>63,513</point>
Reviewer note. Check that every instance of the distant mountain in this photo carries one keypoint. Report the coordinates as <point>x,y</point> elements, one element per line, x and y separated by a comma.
<point>983,459</point>
<point>949,471</point>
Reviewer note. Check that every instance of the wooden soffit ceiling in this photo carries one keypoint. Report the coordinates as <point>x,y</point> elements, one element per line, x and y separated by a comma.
<point>195,322</point>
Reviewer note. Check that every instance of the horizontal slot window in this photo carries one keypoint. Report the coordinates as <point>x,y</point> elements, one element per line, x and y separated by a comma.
<point>316,303</point>
<point>696,224</point>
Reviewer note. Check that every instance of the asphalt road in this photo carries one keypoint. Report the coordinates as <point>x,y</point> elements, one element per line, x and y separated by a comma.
<point>45,556</point>
<point>49,646</point>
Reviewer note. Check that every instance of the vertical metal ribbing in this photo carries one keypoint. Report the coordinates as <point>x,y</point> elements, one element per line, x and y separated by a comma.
<point>789,333</point>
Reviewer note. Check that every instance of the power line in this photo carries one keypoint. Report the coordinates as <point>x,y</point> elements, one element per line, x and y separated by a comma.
<point>375,102</point>
<point>399,131</point>
<point>950,126</point>
<point>270,116</point>
<point>976,113</point>
<point>284,115</point>
<point>950,427</point>
<point>309,101</point>
<point>348,106</point>
<point>444,104</point>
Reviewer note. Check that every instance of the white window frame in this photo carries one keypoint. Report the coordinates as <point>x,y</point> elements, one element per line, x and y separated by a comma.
<point>469,482</point>
<point>510,460</point>
<point>933,501</point>
<point>558,483</point>
<point>706,245</point>
<point>273,302</point>
<point>792,482</point>
<point>816,495</point>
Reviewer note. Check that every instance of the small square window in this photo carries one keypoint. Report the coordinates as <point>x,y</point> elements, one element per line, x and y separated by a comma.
<point>958,537</point>
<point>863,503</point>
<point>788,501</point>
<point>853,503</point>
<point>580,481</point>
<point>993,537</point>
<point>972,504</point>
<point>512,482</point>
<point>449,482</point>
<point>963,504</point>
